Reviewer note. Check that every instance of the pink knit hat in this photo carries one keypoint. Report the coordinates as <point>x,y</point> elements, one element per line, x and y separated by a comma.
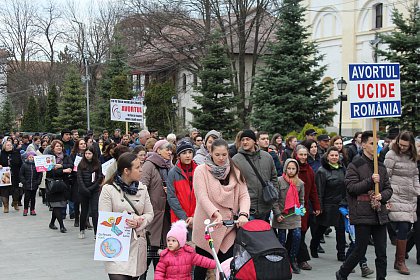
<point>159,144</point>
<point>179,231</point>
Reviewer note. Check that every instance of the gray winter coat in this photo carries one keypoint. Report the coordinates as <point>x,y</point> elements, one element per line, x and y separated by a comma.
<point>265,165</point>
<point>404,177</point>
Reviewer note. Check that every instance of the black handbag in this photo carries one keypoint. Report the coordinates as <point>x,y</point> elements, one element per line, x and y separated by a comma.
<point>270,192</point>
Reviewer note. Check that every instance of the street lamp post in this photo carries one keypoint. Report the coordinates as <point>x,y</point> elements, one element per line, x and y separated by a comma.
<point>174,101</point>
<point>341,85</point>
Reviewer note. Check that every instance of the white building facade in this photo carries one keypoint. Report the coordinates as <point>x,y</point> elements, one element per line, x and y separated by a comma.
<point>345,32</point>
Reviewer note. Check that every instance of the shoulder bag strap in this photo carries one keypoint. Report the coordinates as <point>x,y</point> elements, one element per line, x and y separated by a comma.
<point>255,170</point>
<point>129,201</point>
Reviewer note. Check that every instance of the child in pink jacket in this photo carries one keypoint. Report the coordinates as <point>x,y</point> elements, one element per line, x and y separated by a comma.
<point>177,261</point>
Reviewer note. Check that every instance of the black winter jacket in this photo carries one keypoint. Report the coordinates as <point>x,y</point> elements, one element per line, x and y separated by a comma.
<point>84,181</point>
<point>29,178</point>
<point>13,160</point>
<point>60,192</point>
<point>358,183</point>
<point>331,191</point>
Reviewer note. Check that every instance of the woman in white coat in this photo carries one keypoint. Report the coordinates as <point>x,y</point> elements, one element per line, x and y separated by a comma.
<point>123,192</point>
<point>401,164</point>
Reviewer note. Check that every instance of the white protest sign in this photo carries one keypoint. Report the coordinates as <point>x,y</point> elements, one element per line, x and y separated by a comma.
<point>44,163</point>
<point>5,176</point>
<point>374,90</point>
<point>77,160</point>
<point>126,110</point>
<point>106,165</point>
<point>113,237</point>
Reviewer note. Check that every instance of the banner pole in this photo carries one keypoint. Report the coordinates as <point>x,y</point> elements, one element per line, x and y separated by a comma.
<point>375,154</point>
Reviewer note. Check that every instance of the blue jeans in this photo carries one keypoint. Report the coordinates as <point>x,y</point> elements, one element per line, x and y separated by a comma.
<point>296,236</point>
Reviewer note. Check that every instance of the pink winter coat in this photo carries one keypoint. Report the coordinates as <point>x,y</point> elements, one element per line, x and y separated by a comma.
<point>178,265</point>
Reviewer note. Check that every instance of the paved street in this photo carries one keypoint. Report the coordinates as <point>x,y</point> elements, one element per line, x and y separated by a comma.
<point>30,250</point>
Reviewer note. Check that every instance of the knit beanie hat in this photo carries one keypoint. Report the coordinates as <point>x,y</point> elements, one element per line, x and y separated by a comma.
<point>159,144</point>
<point>30,154</point>
<point>213,133</point>
<point>184,145</point>
<point>250,134</point>
<point>179,231</point>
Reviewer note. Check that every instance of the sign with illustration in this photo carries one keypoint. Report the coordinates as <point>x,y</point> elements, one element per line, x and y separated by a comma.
<point>113,237</point>
<point>5,177</point>
<point>126,110</point>
<point>44,163</point>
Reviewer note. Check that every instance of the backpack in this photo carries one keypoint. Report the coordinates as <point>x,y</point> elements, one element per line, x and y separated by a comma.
<point>258,254</point>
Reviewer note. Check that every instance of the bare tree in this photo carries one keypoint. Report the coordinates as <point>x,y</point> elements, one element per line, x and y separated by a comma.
<point>18,34</point>
<point>179,31</point>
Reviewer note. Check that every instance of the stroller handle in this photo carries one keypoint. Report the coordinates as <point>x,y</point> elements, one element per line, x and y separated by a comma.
<point>209,224</point>
<point>226,223</point>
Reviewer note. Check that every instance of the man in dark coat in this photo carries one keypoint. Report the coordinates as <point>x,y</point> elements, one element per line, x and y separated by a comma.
<point>368,211</point>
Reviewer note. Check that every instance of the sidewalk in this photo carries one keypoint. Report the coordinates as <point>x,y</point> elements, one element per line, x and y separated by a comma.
<point>30,250</point>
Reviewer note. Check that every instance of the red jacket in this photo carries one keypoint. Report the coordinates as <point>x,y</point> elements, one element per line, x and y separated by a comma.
<point>177,265</point>
<point>306,174</point>
<point>180,194</point>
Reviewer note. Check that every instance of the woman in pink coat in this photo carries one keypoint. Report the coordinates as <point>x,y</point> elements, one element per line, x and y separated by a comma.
<point>176,262</point>
<point>221,194</point>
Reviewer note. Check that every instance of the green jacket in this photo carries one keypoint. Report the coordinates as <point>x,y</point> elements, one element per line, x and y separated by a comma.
<point>265,165</point>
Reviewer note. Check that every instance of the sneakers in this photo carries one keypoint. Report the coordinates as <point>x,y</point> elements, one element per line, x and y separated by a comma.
<point>305,266</point>
<point>25,212</point>
<point>366,271</point>
<point>82,234</point>
<point>33,213</point>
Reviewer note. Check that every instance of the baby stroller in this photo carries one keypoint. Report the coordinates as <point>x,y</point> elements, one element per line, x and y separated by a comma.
<point>257,253</point>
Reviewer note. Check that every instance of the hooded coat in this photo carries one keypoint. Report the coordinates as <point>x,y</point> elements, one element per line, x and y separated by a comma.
<point>293,221</point>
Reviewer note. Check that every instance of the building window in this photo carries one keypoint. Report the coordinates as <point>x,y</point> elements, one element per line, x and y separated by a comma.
<point>378,15</point>
<point>184,82</point>
<point>195,81</point>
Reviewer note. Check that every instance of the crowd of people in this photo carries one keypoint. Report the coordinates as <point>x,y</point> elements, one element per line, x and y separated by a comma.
<point>172,184</point>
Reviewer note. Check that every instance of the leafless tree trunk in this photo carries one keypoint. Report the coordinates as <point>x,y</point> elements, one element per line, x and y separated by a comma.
<point>180,30</point>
